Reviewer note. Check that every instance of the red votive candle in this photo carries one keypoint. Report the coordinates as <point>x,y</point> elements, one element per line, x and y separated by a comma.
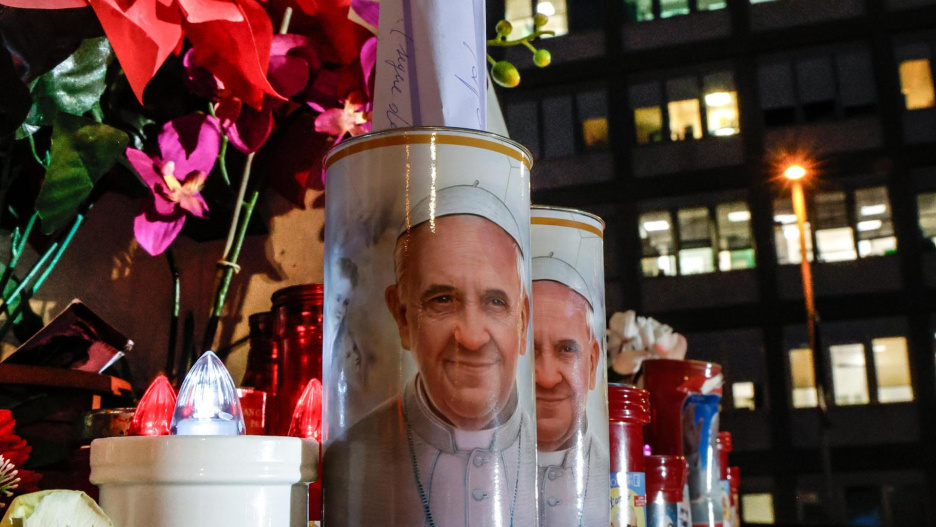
<point>253,405</point>
<point>298,337</point>
<point>724,446</point>
<point>628,412</point>
<point>734,479</point>
<point>666,477</point>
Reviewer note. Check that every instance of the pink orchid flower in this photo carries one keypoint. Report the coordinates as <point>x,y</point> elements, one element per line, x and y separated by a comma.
<point>352,119</point>
<point>188,148</point>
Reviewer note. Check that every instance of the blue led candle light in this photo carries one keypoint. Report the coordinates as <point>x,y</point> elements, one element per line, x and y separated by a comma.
<point>208,404</point>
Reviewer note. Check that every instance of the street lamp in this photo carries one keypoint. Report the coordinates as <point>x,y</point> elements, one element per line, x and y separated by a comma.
<point>796,173</point>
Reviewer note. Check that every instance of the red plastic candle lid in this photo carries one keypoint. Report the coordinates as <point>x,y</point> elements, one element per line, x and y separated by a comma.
<point>665,474</point>
<point>628,404</point>
<point>723,442</point>
<point>734,478</point>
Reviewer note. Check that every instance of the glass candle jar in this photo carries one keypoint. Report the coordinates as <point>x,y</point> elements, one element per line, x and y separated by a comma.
<point>666,477</point>
<point>724,446</point>
<point>628,412</point>
<point>297,330</point>
<point>263,360</point>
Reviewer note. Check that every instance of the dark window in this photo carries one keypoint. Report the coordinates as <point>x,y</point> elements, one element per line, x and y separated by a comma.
<point>817,88</point>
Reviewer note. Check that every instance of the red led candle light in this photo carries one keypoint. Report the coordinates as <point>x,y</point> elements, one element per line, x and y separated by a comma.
<point>307,424</point>
<point>307,417</point>
<point>154,412</point>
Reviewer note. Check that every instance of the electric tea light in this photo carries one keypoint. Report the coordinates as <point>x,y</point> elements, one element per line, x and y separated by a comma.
<point>207,472</point>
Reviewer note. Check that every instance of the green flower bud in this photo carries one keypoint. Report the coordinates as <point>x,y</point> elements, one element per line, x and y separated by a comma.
<point>542,58</point>
<point>505,74</point>
<point>504,28</point>
<point>540,20</point>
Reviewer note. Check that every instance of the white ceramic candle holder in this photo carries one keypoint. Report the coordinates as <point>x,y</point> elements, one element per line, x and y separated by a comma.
<point>202,481</point>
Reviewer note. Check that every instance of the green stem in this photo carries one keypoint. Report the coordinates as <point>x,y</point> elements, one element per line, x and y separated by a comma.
<point>11,317</point>
<point>174,313</point>
<point>29,276</point>
<point>284,24</point>
<point>491,60</point>
<point>235,239</point>
<point>16,250</point>
<point>508,43</point>
<point>222,156</point>
<point>54,252</point>
<point>58,255</point>
<point>241,194</point>
<point>32,146</point>
<point>226,270</point>
<point>529,46</point>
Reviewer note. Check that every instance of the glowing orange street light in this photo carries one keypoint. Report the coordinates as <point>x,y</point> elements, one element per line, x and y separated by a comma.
<point>795,172</point>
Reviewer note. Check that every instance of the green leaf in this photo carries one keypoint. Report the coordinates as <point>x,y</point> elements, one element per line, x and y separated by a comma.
<point>74,86</point>
<point>82,151</point>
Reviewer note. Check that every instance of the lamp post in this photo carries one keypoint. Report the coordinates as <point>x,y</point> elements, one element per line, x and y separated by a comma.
<point>795,174</point>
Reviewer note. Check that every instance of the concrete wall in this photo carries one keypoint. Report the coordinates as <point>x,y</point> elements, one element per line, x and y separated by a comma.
<point>106,269</point>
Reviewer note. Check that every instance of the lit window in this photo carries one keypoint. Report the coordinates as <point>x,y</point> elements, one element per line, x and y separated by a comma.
<point>558,16</point>
<point>695,242</point>
<point>711,5</point>
<point>804,379</point>
<point>875,229</point>
<point>916,83</point>
<point>743,395</point>
<point>520,14</point>
<point>649,125</point>
<point>656,238</point>
<point>786,234</point>
<point>670,8</point>
<point>735,247</point>
<point>834,235</point>
<point>638,10</point>
<point>849,374</point>
<point>757,508</point>
<point>685,120</point>
<point>595,133</point>
<point>721,111</point>
<point>926,206</point>
<point>892,366</point>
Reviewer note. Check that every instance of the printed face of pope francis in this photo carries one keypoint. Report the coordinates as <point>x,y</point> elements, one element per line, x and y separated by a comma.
<point>567,354</point>
<point>461,309</point>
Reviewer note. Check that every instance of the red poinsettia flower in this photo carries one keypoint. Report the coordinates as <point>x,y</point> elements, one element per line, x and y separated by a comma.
<point>231,38</point>
<point>294,62</point>
<point>13,453</point>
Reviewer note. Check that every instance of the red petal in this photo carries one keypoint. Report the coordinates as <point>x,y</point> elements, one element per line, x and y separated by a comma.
<point>197,11</point>
<point>45,4</point>
<point>292,159</point>
<point>313,7</point>
<point>237,53</point>
<point>345,36</point>
<point>142,36</point>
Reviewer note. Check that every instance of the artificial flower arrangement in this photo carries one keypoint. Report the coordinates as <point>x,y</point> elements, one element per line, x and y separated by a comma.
<point>181,103</point>
<point>633,339</point>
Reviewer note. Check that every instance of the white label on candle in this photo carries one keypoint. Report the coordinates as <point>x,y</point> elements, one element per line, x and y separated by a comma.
<point>431,64</point>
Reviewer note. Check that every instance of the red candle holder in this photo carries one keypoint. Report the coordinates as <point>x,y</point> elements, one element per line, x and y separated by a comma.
<point>628,412</point>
